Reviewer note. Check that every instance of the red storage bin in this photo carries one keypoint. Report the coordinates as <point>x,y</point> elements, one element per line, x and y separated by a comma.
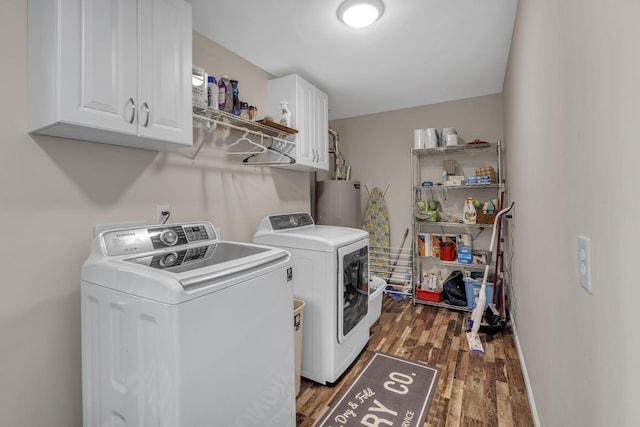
<point>433,296</point>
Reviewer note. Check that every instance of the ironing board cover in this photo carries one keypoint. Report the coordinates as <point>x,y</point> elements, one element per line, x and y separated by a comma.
<point>376,221</point>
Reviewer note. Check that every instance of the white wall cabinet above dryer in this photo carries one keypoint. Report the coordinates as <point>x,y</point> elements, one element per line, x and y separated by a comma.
<point>116,71</point>
<point>310,116</point>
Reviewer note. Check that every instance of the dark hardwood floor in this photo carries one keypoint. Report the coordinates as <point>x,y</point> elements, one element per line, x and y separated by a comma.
<point>474,389</point>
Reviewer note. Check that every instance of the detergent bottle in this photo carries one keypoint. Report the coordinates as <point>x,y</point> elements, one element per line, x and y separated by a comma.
<point>225,97</point>
<point>469,212</point>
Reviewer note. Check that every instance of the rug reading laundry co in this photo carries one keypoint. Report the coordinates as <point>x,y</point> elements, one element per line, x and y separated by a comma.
<point>389,391</point>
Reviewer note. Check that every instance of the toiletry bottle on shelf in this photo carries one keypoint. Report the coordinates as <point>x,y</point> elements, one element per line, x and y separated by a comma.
<point>244,111</point>
<point>235,98</point>
<point>212,93</point>
<point>225,102</point>
<point>444,177</point>
<point>285,118</point>
<point>469,212</point>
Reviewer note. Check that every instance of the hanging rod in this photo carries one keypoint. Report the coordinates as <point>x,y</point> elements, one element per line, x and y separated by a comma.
<point>258,131</point>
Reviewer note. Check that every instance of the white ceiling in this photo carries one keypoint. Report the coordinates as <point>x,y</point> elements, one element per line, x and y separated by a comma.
<point>420,52</point>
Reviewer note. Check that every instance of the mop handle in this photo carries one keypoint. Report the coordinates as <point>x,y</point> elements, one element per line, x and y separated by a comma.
<point>495,225</point>
<point>476,314</point>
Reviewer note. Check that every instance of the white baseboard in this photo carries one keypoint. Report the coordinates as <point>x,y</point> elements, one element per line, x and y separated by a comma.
<point>525,374</point>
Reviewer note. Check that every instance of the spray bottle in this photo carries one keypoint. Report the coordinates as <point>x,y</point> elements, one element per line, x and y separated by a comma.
<point>285,118</point>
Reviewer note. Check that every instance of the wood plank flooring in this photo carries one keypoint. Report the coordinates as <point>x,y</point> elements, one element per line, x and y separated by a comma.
<point>479,390</point>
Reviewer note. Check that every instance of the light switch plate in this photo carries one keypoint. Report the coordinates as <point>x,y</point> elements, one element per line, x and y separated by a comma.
<point>584,263</point>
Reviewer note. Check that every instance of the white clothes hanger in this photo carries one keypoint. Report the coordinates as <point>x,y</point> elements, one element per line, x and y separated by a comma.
<point>273,157</point>
<point>244,145</point>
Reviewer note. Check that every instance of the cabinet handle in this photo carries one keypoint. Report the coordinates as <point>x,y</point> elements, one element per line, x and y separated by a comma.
<point>146,107</point>
<point>133,110</point>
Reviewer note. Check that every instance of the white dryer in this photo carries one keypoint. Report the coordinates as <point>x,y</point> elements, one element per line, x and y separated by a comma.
<point>331,275</point>
<point>182,329</point>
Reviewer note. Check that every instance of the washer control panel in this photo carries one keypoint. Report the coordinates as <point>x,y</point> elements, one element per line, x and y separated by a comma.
<point>288,221</point>
<point>175,258</point>
<point>138,240</point>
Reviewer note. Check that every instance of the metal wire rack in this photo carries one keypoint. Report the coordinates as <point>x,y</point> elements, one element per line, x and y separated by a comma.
<point>394,266</point>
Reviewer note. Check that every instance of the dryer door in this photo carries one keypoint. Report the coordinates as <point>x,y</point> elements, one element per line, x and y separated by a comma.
<point>353,287</point>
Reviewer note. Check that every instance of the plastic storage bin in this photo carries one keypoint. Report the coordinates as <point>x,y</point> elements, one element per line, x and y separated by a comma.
<point>376,289</point>
<point>298,315</point>
<point>433,296</point>
<point>472,287</point>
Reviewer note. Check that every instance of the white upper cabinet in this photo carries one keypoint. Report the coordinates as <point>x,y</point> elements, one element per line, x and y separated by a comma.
<point>113,71</point>
<point>309,115</point>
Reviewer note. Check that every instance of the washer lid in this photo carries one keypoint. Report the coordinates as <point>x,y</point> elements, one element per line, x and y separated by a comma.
<point>324,238</point>
<point>176,262</point>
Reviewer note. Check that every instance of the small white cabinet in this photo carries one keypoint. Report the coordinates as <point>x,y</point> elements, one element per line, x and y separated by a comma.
<point>112,71</point>
<point>310,116</point>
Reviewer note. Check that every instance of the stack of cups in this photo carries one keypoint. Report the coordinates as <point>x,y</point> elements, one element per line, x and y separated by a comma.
<point>425,138</point>
<point>431,138</point>
<point>419,139</point>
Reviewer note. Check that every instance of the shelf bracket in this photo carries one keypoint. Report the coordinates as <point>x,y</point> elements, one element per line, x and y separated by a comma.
<point>209,129</point>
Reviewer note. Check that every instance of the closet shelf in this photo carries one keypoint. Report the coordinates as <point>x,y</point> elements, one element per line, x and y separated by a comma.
<point>238,123</point>
<point>280,138</point>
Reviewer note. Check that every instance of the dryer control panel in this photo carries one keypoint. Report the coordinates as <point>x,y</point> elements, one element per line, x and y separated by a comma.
<point>137,240</point>
<point>288,221</point>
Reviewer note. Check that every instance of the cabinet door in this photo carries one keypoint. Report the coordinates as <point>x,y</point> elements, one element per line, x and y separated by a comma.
<point>164,75</point>
<point>304,121</point>
<point>97,70</point>
<point>309,108</point>
<point>321,130</point>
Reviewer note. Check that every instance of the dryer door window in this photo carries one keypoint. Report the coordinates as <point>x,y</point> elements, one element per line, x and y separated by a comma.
<point>353,288</point>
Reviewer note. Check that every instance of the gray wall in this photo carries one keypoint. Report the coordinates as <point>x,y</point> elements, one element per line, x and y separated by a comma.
<point>569,114</point>
<point>377,147</point>
<point>571,110</point>
<point>53,192</point>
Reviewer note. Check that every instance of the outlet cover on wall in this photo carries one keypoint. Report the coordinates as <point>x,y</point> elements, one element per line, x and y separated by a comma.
<point>159,210</point>
<point>584,263</point>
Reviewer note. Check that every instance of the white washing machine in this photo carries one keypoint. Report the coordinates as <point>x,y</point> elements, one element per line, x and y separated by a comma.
<point>182,329</point>
<point>331,275</point>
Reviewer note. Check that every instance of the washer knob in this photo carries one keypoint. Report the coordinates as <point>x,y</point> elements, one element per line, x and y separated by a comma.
<point>169,237</point>
<point>293,220</point>
<point>169,259</point>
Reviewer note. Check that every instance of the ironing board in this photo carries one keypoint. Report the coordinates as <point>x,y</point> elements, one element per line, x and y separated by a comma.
<point>376,222</point>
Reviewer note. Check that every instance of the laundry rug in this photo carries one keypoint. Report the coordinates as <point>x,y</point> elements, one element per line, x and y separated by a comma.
<point>389,391</point>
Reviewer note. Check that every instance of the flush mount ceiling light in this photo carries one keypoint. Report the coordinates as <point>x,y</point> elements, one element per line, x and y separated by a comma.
<point>360,13</point>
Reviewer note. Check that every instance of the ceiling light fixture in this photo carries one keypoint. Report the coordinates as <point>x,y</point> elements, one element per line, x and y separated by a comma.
<point>360,13</point>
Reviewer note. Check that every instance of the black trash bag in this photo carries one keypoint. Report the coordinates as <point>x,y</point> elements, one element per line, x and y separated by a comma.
<point>453,289</point>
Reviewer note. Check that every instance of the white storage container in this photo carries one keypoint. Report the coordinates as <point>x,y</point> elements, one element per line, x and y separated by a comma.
<point>376,289</point>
